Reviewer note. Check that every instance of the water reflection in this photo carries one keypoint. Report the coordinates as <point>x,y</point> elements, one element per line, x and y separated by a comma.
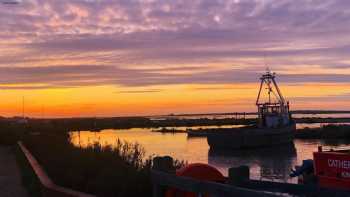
<point>202,127</point>
<point>265,163</point>
<point>268,163</point>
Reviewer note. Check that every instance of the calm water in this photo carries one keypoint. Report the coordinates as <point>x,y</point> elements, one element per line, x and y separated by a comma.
<point>206,127</point>
<point>272,164</point>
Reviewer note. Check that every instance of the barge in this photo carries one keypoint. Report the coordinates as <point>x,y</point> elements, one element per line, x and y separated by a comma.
<point>274,126</point>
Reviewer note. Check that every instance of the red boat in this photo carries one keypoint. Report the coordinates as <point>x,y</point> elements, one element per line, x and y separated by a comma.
<point>332,168</point>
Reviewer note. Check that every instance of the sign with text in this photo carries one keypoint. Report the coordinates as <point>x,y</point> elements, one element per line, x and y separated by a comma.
<point>333,169</point>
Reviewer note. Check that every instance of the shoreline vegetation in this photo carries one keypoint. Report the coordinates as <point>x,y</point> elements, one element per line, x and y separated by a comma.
<point>97,124</point>
<point>330,131</point>
<point>11,129</point>
<point>103,171</point>
<point>108,171</point>
<point>168,130</point>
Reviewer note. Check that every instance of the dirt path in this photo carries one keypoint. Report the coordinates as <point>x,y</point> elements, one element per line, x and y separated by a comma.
<point>10,178</point>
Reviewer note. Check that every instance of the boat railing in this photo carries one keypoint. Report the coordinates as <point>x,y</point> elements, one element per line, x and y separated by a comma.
<point>237,183</point>
<point>331,149</point>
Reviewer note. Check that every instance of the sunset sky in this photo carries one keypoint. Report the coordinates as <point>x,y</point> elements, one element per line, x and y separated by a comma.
<point>144,57</point>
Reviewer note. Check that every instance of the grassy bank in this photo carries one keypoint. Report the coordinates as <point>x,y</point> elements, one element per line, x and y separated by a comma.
<point>324,132</point>
<point>106,171</point>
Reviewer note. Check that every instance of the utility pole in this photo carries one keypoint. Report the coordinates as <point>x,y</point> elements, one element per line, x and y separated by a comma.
<point>23,107</point>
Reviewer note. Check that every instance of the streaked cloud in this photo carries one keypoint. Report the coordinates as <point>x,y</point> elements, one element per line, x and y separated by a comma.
<point>97,75</point>
<point>139,91</point>
<point>141,43</point>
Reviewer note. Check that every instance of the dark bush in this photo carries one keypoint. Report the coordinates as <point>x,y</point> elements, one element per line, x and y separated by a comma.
<point>10,132</point>
<point>105,171</point>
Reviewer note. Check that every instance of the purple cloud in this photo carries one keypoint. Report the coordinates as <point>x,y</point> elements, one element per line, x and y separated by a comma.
<point>139,43</point>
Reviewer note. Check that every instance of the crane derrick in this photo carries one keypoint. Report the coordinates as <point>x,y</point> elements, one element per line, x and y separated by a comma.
<point>273,111</point>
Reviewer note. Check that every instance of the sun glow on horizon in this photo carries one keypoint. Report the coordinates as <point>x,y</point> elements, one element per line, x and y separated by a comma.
<point>102,101</point>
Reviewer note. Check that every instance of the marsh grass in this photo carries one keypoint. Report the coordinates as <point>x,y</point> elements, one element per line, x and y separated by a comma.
<point>111,170</point>
<point>102,170</point>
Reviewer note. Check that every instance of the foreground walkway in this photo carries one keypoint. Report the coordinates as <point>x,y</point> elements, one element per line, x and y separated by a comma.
<point>10,177</point>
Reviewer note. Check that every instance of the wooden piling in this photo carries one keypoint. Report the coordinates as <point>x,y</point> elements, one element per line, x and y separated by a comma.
<point>238,175</point>
<point>162,164</point>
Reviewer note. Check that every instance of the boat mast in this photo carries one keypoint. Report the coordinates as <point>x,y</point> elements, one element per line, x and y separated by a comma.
<point>271,113</point>
<point>278,91</point>
<point>261,85</point>
<point>269,79</point>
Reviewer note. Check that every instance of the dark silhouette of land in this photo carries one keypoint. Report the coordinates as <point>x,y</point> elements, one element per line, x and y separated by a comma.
<point>179,120</point>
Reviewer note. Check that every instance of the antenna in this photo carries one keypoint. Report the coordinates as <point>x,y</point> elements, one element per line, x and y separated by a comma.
<point>23,107</point>
<point>265,62</point>
<point>268,71</point>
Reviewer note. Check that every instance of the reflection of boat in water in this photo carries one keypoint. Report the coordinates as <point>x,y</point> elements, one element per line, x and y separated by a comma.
<point>203,132</point>
<point>199,132</point>
<point>168,130</point>
<point>275,125</point>
<point>266,152</point>
<point>266,163</point>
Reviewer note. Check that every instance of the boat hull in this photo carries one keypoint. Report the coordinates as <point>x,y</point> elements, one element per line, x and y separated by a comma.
<point>250,137</point>
<point>332,169</point>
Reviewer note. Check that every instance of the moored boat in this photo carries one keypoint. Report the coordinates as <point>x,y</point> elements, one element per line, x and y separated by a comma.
<point>328,169</point>
<point>274,126</point>
<point>332,168</point>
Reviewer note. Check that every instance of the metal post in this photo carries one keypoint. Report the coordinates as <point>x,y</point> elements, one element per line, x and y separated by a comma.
<point>238,175</point>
